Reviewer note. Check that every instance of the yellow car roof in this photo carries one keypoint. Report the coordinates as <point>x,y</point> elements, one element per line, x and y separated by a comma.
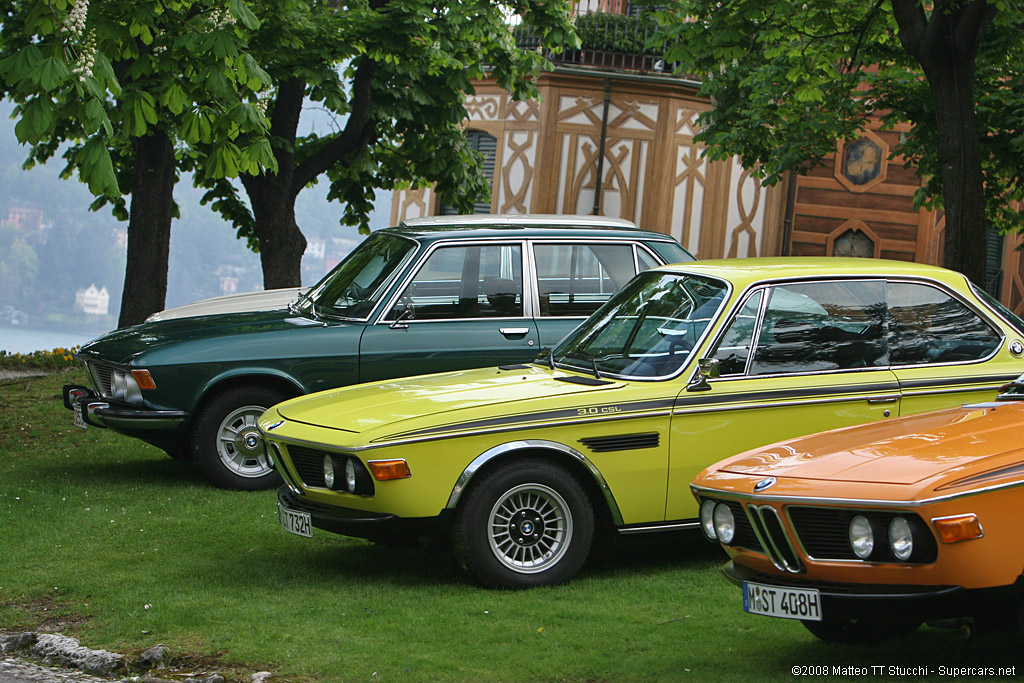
<point>744,271</point>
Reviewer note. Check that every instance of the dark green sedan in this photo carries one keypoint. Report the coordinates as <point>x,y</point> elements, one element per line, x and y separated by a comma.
<point>431,295</point>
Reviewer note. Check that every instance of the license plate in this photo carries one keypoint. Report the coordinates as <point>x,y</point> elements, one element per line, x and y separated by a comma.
<point>297,523</point>
<point>787,603</point>
<point>79,420</point>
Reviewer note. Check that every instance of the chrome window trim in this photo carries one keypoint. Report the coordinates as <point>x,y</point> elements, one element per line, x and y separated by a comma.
<point>982,312</point>
<point>408,261</point>
<point>399,288</point>
<point>510,447</point>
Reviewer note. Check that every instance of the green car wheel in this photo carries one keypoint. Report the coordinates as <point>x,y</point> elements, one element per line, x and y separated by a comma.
<point>227,444</point>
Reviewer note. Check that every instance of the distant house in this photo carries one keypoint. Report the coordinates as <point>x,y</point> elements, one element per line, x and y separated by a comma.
<point>315,248</point>
<point>228,284</point>
<point>93,301</point>
<point>24,218</point>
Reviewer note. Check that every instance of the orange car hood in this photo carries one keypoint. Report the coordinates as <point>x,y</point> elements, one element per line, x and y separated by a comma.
<point>902,451</point>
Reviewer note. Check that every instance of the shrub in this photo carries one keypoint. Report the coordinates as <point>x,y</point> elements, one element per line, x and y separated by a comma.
<point>53,359</point>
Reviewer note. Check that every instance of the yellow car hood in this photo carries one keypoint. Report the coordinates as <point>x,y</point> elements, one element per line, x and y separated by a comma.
<point>442,402</point>
<point>950,444</point>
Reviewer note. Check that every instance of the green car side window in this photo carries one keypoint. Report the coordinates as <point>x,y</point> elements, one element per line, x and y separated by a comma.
<point>462,282</point>
<point>576,279</point>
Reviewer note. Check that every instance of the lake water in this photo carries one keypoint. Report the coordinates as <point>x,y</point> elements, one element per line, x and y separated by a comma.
<point>14,339</point>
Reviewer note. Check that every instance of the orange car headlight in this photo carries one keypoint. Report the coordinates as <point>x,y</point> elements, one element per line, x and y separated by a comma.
<point>958,528</point>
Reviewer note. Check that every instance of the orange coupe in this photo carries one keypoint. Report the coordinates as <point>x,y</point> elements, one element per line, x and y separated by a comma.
<point>869,531</point>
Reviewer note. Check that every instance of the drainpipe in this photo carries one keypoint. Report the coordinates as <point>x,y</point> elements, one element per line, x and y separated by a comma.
<point>787,223</point>
<point>600,148</point>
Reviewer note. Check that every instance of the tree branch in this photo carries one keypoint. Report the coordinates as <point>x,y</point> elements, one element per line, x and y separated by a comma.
<point>358,131</point>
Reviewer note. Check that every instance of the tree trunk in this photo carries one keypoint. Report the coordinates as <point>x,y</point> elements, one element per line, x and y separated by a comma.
<point>272,197</point>
<point>945,42</point>
<point>281,242</point>
<point>149,228</point>
<point>959,155</point>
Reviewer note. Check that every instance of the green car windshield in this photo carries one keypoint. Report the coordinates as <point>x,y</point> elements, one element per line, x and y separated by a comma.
<point>645,331</point>
<point>356,284</point>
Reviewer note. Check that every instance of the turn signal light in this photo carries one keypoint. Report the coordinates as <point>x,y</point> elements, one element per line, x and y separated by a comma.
<point>143,379</point>
<point>958,528</point>
<point>389,469</point>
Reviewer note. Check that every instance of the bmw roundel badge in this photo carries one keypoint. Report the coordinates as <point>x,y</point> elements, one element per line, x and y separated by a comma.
<point>764,483</point>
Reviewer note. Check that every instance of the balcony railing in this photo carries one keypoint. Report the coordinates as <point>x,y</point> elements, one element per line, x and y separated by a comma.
<point>608,39</point>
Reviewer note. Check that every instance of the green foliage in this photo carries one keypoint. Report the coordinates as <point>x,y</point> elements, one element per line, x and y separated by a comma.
<point>53,359</point>
<point>96,75</point>
<point>787,80</point>
<point>407,128</point>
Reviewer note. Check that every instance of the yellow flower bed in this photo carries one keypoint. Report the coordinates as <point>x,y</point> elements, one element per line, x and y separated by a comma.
<point>53,359</point>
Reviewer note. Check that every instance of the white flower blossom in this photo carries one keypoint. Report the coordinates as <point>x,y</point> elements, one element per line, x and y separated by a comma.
<point>74,23</point>
<point>220,18</point>
<point>86,59</point>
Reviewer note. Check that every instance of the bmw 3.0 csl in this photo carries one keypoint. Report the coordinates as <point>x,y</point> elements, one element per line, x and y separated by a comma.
<point>518,464</point>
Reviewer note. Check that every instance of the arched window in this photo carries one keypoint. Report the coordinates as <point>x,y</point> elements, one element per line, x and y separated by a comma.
<point>487,145</point>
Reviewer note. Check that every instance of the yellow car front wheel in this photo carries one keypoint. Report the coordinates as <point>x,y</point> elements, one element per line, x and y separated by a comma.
<point>527,523</point>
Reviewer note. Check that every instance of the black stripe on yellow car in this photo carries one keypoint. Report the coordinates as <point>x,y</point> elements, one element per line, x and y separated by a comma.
<point>598,412</point>
<point>932,383</point>
<point>684,403</point>
<point>855,390</point>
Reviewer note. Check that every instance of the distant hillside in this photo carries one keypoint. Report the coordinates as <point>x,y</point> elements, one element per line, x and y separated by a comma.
<point>71,248</point>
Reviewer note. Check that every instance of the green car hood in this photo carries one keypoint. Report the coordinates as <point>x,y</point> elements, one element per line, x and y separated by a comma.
<point>226,337</point>
<point>445,402</point>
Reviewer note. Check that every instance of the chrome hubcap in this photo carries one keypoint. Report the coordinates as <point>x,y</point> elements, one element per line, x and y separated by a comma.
<point>530,528</point>
<point>240,445</point>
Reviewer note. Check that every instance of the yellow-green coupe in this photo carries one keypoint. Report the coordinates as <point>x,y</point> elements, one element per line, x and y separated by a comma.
<point>520,465</point>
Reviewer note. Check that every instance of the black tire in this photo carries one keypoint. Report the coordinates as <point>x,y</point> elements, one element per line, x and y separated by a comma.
<point>525,524</point>
<point>861,630</point>
<point>227,446</point>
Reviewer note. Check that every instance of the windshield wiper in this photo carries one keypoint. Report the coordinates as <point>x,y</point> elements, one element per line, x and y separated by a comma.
<point>586,357</point>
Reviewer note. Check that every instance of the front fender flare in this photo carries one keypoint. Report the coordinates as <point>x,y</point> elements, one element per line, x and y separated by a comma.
<point>534,445</point>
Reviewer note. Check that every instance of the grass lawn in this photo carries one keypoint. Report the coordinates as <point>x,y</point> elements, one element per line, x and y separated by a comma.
<point>109,540</point>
